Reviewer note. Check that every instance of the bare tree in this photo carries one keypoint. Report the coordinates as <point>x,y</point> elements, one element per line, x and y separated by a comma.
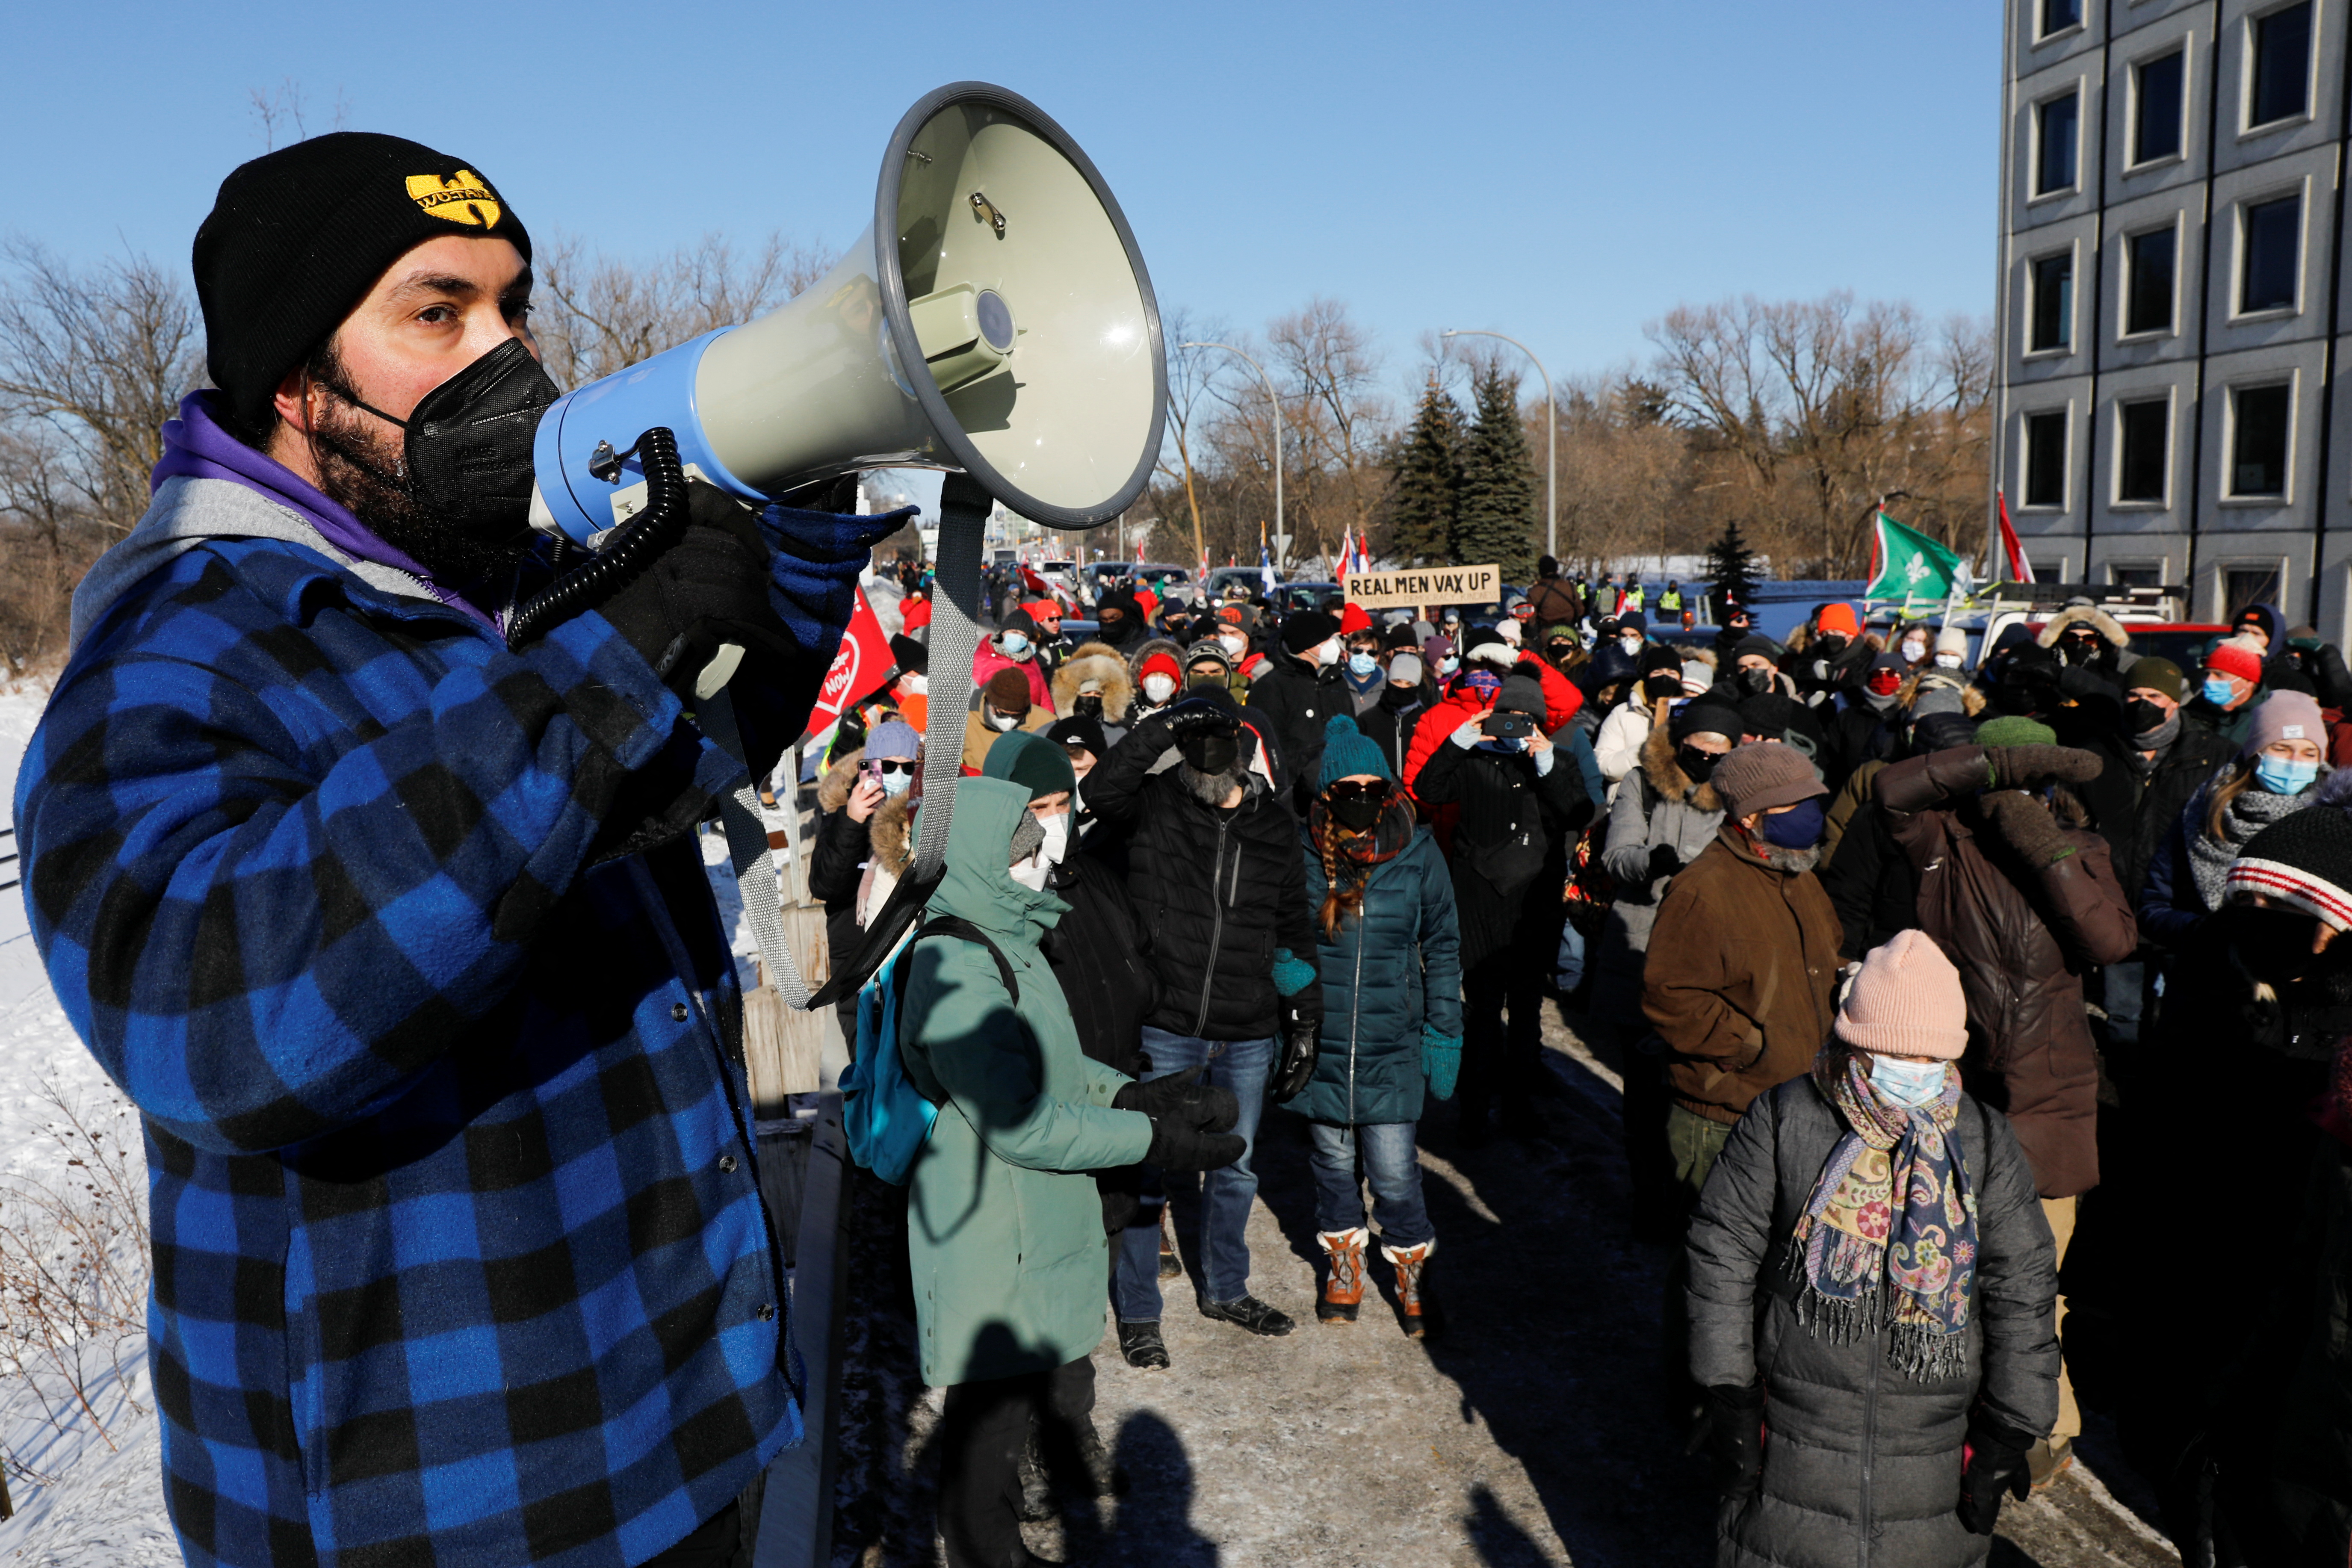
<point>1191,375</point>
<point>597,315</point>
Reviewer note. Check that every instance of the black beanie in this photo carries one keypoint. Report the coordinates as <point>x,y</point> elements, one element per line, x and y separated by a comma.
<point>1308,628</point>
<point>298,237</point>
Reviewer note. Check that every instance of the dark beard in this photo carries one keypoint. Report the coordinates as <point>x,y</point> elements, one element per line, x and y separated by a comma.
<point>1211,790</point>
<point>363,468</point>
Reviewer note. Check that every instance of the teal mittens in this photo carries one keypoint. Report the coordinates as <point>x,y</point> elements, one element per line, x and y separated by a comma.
<point>1440,1061</point>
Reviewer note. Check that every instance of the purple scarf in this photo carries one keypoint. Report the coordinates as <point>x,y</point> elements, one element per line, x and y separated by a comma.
<point>195,447</point>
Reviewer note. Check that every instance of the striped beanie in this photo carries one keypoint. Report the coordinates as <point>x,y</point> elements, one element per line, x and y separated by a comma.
<point>2305,861</point>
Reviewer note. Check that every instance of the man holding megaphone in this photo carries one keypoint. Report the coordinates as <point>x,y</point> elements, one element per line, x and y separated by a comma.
<point>398,934</point>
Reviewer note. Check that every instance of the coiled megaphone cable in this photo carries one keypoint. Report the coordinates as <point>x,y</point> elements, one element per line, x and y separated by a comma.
<point>613,568</point>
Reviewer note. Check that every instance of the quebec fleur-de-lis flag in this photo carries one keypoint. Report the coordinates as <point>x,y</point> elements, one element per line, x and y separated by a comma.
<point>1906,564</point>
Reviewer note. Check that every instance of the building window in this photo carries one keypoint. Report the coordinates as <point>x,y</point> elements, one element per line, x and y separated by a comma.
<point>2281,66</point>
<point>2140,450</point>
<point>2135,577</point>
<point>2270,250</point>
<point>2148,285</point>
<point>2045,458</point>
<point>2053,168</point>
<point>2258,440</point>
<point>2057,15</point>
<point>2155,128</point>
<point>2244,585</point>
<point>2053,302</point>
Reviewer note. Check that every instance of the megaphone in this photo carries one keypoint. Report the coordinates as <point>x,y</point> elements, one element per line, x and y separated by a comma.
<point>995,318</point>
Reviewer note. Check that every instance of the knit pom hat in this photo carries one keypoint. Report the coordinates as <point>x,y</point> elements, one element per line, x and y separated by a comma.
<point>2284,716</point>
<point>1762,774</point>
<point>2239,656</point>
<point>1347,752</point>
<point>1308,628</point>
<point>1906,1002</point>
<point>2304,860</point>
<point>2015,729</point>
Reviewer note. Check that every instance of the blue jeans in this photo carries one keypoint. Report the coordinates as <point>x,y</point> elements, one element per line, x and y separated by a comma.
<point>1390,1164</point>
<point>1221,1271</point>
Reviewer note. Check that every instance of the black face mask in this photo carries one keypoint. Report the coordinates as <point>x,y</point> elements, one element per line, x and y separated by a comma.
<point>1394,697</point>
<point>2075,651</point>
<point>1659,686</point>
<point>2274,945</point>
<point>1699,765</point>
<point>2140,716</point>
<point>1755,682</point>
<point>1356,812</point>
<point>469,439</point>
<point>1087,706</point>
<point>1209,753</point>
<point>1830,646</point>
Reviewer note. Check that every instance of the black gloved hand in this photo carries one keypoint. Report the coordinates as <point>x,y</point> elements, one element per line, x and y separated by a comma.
<point>1181,1097</point>
<point>1735,1437</point>
<point>2014,767</point>
<point>1664,862</point>
<point>2028,826</point>
<point>708,588</point>
<point>1195,714</point>
<point>1296,1064</point>
<point>1996,1464</point>
<point>1176,1147</point>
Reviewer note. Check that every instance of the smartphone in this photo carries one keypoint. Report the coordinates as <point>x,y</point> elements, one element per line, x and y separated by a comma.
<point>870,772</point>
<point>1508,726</point>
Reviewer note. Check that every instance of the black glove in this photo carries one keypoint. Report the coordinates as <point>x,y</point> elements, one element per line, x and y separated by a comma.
<point>1734,1436</point>
<point>1176,1147</point>
<point>1297,1064</point>
<point>708,588</point>
<point>2028,826</point>
<point>1181,1097</point>
<point>1996,1464</point>
<point>2013,767</point>
<point>1664,862</point>
<point>1195,714</point>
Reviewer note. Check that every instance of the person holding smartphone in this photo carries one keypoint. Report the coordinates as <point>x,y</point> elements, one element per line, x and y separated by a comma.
<point>1520,801</point>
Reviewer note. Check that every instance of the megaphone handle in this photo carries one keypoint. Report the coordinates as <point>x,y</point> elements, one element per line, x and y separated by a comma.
<point>955,637</point>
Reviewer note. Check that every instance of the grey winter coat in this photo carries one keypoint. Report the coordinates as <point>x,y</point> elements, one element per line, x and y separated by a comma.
<point>1862,1465</point>
<point>1656,804</point>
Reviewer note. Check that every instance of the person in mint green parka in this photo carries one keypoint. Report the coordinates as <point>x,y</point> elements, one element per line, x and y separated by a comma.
<point>1005,1227</point>
<point>1389,949</point>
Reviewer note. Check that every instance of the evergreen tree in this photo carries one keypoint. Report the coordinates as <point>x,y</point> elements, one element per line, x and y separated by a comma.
<point>1731,567</point>
<point>1425,492</point>
<point>1496,518</point>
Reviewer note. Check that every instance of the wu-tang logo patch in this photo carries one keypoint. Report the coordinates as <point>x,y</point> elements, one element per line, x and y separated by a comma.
<point>462,198</point>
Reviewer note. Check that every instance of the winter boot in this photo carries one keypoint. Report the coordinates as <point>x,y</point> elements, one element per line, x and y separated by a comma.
<point>1141,1343</point>
<point>1415,1310</point>
<point>1037,1486</point>
<point>1171,1266</point>
<point>1343,1289</point>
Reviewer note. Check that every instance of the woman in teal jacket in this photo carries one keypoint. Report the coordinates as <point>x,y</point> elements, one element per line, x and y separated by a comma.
<point>1389,949</point>
<point>1005,1228</point>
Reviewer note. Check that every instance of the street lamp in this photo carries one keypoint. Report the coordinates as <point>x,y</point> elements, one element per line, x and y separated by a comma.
<point>1551,434</point>
<point>1280,537</point>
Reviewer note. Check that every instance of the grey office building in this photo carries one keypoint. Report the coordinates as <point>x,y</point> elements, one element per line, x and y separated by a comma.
<point>2172,292</point>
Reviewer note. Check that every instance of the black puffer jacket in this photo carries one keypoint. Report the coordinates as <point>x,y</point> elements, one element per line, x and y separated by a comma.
<point>1220,892</point>
<point>2157,800</point>
<point>1510,842</point>
<point>1862,1464</point>
<point>1101,954</point>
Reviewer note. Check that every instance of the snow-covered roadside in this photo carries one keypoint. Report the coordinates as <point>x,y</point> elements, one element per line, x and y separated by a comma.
<point>79,1501</point>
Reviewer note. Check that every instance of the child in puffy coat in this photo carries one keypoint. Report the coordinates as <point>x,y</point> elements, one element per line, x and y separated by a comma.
<point>1389,951</point>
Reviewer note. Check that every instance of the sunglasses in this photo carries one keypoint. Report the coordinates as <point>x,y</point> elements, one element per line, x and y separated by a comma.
<point>1360,789</point>
<point>892,766</point>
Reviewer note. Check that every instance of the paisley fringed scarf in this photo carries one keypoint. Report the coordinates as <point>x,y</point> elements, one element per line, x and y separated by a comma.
<point>1889,1237</point>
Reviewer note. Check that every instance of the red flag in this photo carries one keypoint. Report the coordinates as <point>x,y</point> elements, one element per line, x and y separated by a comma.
<point>1034,584</point>
<point>2020,569</point>
<point>857,669</point>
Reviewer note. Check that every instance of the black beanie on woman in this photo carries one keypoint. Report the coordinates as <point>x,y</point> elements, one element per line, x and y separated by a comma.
<point>298,237</point>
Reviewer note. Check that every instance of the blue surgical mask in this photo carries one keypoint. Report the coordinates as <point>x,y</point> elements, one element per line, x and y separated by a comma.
<point>1912,1084</point>
<point>898,783</point>
<point>1014,643</point>
<point>1363,664</point>
<point>1448,665</point>
<point>1799,827</point>
<point>2217,691</point>
<point>2280,776</point>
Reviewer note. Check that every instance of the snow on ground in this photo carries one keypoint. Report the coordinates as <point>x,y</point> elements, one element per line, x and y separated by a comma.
<point>79,1499</point>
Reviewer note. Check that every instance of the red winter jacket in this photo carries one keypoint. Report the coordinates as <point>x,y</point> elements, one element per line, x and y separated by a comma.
<point>1561,699</point>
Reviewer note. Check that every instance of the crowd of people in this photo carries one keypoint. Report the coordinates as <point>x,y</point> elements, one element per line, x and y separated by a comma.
<point>1946,983</point>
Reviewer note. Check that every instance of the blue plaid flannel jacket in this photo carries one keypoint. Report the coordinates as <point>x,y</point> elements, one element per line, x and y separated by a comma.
<point>399,943</point>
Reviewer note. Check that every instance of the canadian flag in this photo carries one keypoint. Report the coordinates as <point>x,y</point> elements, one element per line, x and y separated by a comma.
<point>2020,569</point>
<point>856,669</point>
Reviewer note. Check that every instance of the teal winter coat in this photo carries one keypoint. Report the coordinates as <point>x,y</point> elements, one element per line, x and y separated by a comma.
<point>1004,1224</point>
<point>1392,969</point>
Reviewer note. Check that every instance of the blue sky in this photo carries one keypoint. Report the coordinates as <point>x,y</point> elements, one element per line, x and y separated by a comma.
<point>1560,172</point>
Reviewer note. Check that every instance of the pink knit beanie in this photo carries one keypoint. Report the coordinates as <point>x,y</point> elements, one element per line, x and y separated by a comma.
<point>2284,716</point>
<point>1906,1002</point>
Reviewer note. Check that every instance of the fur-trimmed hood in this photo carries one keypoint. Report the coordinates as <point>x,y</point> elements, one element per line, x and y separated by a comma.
<point>2092,616</point>
<point>1667,776</point>
<point>833,789</point>
<point>1095,661</point>
<point>888,830</point>
<point>1150,646</point>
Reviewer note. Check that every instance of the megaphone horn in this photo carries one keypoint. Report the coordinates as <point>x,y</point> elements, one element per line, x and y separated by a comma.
<point>995,318</point>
